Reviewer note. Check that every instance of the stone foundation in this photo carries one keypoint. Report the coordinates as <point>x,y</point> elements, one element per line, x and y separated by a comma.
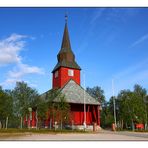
<point>88,127</point>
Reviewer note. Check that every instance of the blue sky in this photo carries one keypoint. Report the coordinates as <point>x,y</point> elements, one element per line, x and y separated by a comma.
<point>109,43</point>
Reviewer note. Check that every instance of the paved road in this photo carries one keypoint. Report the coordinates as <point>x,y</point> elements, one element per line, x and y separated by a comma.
<point>103,135</point>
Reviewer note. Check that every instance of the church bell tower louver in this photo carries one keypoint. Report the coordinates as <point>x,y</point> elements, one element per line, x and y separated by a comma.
<point>66,68</point>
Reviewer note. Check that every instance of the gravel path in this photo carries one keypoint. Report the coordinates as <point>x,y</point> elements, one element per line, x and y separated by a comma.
<point>104,135</point>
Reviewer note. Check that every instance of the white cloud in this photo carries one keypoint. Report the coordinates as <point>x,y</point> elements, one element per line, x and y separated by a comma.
<point>135,74</point>
<point>23,69</point>
<point>114,14</point>
<point>19,72</point>
<point>140,40</point>
<point>127,82</point>
<point>132,69</point>
<point>15,37</point>
<point>10,49</point>
<point>97,15</point>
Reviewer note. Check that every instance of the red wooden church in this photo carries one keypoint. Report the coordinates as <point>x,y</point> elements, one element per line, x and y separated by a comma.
<point>66,78</point>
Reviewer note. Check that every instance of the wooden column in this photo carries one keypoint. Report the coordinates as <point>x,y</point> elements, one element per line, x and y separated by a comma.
<point>46,120</point>
<point>88,116</point>
<point>33,123</point>
<point>98,110</point>
<point>94,112</point>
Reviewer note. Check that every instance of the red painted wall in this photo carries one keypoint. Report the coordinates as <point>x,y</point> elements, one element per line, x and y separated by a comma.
<point>30,122</point>
<point>33,122</point>
<point>63,77</point>
<point>76,115</point>
<point>92,114</point>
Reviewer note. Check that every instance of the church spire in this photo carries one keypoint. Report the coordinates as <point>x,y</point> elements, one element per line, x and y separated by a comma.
<point>66,41</point>
<point>66,57</point>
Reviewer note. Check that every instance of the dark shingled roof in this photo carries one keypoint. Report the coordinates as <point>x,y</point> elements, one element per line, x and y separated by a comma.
<point>66,57</point>
<point>74,93</point>
<point>64,63</point>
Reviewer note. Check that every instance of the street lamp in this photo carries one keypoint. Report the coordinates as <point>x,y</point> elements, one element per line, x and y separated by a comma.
<point>114,103</point>
<point>146,102</point>
<point>30,116</point>
<point>84,105</point>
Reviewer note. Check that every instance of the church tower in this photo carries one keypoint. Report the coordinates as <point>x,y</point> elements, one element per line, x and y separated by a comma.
<point>66,68</point>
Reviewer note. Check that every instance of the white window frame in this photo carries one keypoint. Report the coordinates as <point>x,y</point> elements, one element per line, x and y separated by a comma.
<point>70,72</point>
<point>56,74</point>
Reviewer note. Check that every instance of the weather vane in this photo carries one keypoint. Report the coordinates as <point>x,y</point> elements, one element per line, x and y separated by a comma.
<point>66,17</point>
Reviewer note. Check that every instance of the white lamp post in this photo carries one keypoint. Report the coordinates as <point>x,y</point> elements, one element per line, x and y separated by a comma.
<point>30,116</point>
<point>84,105</point>
<point>114,103</point>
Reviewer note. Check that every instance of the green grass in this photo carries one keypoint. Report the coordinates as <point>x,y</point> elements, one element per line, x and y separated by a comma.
<point>5,133</point>
<point>130,130</point>
<point>141,130</point>
<point>41,131</point>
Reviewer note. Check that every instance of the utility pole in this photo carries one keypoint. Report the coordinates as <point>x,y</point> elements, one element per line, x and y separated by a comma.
<point>114,103</point>
<point>145,102</point>
<point>84,105</point>
<point>21,122</point>
<point>6,122</point>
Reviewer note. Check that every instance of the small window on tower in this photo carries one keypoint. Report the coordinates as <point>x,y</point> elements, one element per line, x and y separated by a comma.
<point>70,72</point>
<point>56,74</point>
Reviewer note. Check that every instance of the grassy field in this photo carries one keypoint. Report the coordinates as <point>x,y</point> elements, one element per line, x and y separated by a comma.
<point>22,132</point>
<point>42,131</point>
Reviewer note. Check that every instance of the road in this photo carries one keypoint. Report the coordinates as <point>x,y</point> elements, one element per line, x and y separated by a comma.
<point>103,135</point>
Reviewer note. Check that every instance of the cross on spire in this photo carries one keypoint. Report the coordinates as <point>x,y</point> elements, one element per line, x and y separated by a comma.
<point>66,18</point>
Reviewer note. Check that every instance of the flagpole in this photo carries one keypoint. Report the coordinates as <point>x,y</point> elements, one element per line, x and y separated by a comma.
<point>114,103</point>
<point>84,105</point>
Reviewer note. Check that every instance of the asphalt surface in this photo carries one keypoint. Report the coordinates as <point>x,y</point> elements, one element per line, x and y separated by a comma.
<point>100,136</point>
